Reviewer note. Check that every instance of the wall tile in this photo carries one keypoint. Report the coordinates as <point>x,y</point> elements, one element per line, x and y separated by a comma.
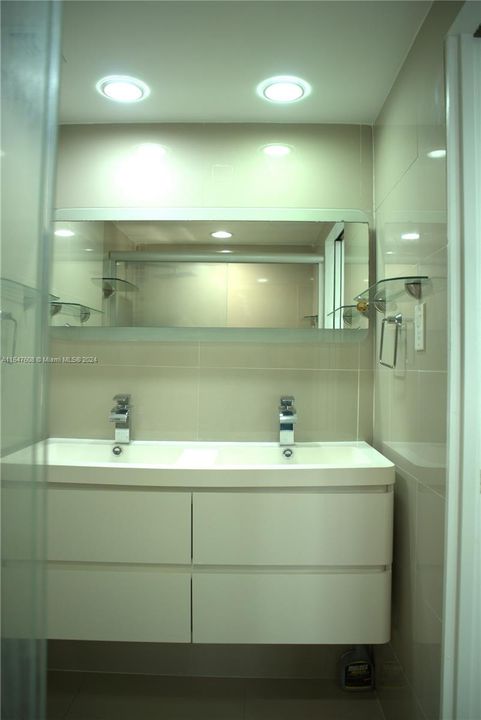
<point>366,380</point>
<point>344,356</point>
<point>404,407</point>
<point>366,351</point>
<point>164,401</point>
<point>233,376</point>
<point>410,401</point>
<point>430,549</point>
<point>383,379</point>
<point>257,355</point>
<point>427,660</point>
<point>326,403</point>
<point>404,575</point>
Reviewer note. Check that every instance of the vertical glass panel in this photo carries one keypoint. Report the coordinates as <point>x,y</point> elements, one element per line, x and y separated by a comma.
<point>30,42</point>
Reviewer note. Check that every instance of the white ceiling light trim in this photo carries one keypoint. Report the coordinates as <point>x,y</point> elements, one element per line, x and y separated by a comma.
<point>64,233</point>
<point>276,150</point>
<point>284,89</point>
<point>222,234</point>
<point>123,88</point>
<point>435,154</point>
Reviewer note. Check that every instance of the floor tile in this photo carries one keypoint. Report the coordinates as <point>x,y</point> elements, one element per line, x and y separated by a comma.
<point>125,697</point>
<point>313,709</point>
<point>62,687</point>
<point>298,689</point>
<point>101,696</point>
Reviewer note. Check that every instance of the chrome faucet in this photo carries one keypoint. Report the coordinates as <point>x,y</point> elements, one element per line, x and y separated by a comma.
<point>120,415</point>
<point>287,419</point>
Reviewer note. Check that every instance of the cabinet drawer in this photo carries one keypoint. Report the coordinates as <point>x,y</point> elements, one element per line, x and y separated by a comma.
<point>113,525</point>
<point>129,604</point>
<point>293,528</point>
<point>295,608</point>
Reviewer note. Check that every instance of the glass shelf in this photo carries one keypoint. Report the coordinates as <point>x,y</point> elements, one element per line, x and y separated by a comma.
<point>81,312</point>
<point>350,313</point>
<point>111,284</point>
<point>391,289</point>
<point>18,292</point>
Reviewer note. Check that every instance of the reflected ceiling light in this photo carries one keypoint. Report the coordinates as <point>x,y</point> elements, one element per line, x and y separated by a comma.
<point>390,252</point>
<point>151,151</point>
<point>410,236</point>
<point>88,249</point>
<point>262,280</point>
<point>224,251</point>
<point>276,150</point>
<point>221,234</point>
<point>122,88</point>
<point>440,153</point>
<point>283,89</point>
<point>64,233</point>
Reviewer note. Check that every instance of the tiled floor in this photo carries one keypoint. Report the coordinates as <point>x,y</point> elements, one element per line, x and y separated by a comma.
<point>93,696</point>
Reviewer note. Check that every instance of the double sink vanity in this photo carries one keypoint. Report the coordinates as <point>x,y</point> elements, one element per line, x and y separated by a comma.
<point>201,542</point>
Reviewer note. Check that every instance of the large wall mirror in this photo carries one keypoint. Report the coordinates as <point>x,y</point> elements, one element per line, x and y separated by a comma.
<point>194,276</point>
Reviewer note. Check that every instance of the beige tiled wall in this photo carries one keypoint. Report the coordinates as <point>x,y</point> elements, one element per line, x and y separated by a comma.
<point>410,401</point>
<point>213,391</point>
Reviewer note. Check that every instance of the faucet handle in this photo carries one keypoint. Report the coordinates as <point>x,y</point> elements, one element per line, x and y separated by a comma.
<point>287,401</point>
<point>122,400</point>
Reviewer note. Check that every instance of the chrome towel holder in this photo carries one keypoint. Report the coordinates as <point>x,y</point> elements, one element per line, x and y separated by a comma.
<point>397,321</point>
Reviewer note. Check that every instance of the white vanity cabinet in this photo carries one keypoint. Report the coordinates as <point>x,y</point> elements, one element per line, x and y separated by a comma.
<point>119,564</point>
<point>292,567</point>
<point>220,564</point>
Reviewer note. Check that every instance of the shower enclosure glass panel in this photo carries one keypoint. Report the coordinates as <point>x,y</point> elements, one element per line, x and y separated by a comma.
<point>30,50</point>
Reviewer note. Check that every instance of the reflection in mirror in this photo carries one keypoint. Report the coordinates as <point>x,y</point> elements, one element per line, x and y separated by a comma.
<point>182,274</point>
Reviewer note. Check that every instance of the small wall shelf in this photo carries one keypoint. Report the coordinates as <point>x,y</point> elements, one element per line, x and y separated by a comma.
<point>81,312</point>
<point>350,313</point>
<point>110,285</point>
<point>18,292</point>
<point>391,289</point>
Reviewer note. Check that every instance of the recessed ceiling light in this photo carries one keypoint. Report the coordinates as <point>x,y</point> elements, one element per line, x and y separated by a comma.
<point>276,150</point>
<point>283,89</point>
<point>410,236</point>
<point>64,233</point>
<point>122,88</point>
<point>262,280</point>
<point>390,252</point>
<point>88,249</point>
<point>225,251</point>
<point>221,234</point>
<point>440,153</point>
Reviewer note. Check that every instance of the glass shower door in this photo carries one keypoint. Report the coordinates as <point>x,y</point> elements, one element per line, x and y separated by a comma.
<point>30,52</point>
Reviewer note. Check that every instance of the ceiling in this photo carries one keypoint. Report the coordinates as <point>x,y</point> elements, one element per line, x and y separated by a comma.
<point>203,59</point>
